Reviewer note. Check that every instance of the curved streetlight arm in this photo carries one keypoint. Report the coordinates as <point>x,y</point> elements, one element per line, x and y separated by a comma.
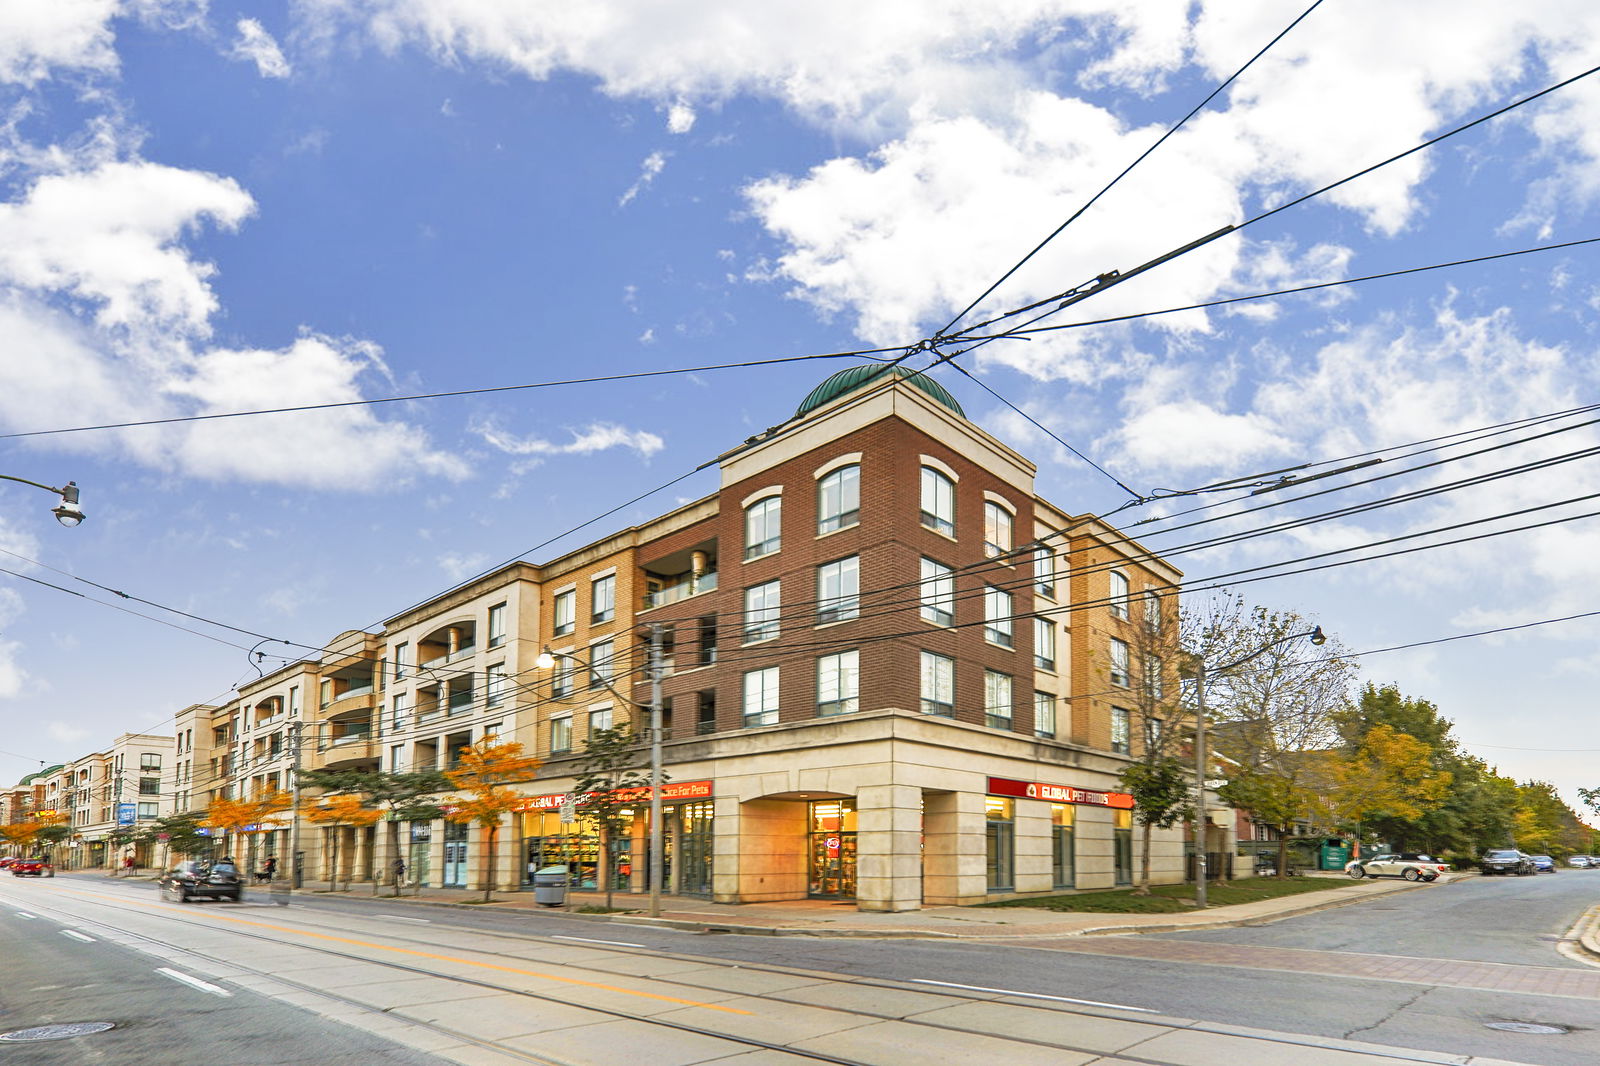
<point>68,513</point>
<point>1317,637</point>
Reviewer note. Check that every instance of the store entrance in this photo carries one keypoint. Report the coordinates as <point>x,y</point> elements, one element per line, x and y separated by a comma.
<point>832,849</point>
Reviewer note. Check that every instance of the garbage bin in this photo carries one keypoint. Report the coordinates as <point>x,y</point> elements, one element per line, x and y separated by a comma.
<point>550,886</point>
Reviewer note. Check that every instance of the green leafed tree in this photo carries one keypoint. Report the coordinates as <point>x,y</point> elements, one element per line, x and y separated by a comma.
<point>611,785</point>
<point>409,796</point>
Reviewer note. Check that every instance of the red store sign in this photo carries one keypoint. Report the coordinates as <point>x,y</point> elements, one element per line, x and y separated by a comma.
<point>681,790</point>
<point>1005,786</point>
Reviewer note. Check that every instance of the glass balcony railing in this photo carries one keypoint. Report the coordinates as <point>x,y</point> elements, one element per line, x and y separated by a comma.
<point>681,590</point>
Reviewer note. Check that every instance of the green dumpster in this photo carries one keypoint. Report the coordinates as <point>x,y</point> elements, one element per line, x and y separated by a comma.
<point>1333,856</point>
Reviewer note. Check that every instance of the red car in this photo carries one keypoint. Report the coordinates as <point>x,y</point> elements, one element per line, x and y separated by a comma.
<point>6,861</point>
<point>31,868</point>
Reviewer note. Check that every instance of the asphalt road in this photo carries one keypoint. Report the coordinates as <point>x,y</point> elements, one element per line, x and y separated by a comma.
<point>54,979</point>
<point>1295,976</point>
<point>1483,919</point>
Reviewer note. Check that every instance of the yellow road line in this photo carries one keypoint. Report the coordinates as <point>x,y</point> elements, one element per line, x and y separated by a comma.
<point>430,955</point>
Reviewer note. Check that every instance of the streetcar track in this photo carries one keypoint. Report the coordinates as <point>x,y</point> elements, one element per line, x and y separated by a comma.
<point>1129,1054</point>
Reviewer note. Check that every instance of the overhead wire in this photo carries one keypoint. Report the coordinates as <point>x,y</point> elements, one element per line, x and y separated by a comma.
<point>1174,128</point>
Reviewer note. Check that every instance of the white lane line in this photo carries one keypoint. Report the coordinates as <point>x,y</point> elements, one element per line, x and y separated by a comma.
<point>25,916</point>
<point>74,934</point>
<point>586,940</point>
<point>403,918</point>
<point>1035,995</point>
<point>193,982</point>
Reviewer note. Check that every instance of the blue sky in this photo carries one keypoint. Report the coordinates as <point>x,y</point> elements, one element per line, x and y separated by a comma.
<point>209,207</point>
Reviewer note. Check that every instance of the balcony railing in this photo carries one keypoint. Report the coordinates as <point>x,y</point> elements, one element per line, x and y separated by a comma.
<point>460,702</point>
<point>681,590</point>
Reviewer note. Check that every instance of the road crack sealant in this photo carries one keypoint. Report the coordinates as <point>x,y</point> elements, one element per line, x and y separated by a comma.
<point>1387,1018</point>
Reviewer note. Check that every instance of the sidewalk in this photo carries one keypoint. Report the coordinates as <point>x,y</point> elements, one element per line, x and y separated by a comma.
<point>833,919</point>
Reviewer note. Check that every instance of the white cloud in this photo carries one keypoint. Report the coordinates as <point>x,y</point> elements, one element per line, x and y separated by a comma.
<point>653,164</point>
<point>35,38</point>
<point>680,118</point>
<point>255,45</point>
<point>347,449</point>
<point>1189,435</point>
<point>68,734</point>
<point>110,236</point>
<point>458,567</point>
<point>596,437</point>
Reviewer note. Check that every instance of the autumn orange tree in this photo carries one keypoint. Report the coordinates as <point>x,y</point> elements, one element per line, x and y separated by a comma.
<point>21,834</point>
<point>483,772</point>
<point>336,812</point>
<point>246,815</point>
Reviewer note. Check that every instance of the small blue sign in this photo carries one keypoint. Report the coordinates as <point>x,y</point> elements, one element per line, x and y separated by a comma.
<point>126,814</point>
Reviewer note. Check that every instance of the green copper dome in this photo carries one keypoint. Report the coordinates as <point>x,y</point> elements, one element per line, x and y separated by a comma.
<point>857,376</point>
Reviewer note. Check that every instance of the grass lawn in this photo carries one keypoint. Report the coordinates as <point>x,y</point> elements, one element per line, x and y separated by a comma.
<point>1174,899</point>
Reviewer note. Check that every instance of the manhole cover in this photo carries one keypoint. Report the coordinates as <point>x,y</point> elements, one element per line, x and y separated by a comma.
<point>1527,1027</point>
<point>57,1032</point>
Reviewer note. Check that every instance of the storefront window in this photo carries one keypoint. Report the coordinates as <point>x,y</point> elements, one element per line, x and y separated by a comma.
<point>1122,843</point>
<point>1062,853</point>
<point>455,855</point>
<point>833,849</point>
<point>548,841</point>
<point>1000,861</point>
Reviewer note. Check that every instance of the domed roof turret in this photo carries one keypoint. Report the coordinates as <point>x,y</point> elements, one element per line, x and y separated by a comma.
<point>858,376</point>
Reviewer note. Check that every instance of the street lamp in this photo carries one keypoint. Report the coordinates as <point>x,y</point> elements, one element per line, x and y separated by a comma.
<point>1200,760</point>
<point>68,513</point>
<point>547,659</point>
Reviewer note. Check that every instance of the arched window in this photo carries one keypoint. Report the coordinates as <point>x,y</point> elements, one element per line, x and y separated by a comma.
<point>762,521</point>
<point>839,499</point>
<point>938,502</point>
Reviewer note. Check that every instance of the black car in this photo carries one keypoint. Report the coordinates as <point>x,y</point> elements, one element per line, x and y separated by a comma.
<point>194,879</point>
<point>1506,861</point>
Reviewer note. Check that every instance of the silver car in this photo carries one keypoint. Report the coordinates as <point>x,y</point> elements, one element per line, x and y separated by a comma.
<point>1409,865</point>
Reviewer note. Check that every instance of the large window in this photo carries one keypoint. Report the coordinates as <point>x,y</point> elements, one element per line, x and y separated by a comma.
<point>762,535</point>
<point>996,699</point>
<point>996,529</point>
<point>838,584</point>
<point>1044,714</point>
<point>1044,644</point>
<point>997,617</point>
<point>561,733</point>
<point>561,677</point>
<point>938,593</point>
<point>1120,729</point>
<point>1044,571</point>
<point>150,761</point>
<point>1119,663</point>
<point>1152,677</point>
<point>938,502</point>
<point>398,722</point>
<point>837,679</point>
<point>402,659</point>
<point>938,684</point>
<point>761,612</point>
<point>602,663</point>
<point>599,719</point>
<point>1119,595</point>
<point>566,613</point>
<point>494,688</point>
<point>1152,611</point>
<point>761,696</point>
<point>839,499</point>
<point>603,599</point>
<point>1000,858</point>
<point>497,625</point>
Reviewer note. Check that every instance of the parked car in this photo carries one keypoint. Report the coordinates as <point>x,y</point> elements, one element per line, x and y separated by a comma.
<point>1580,861</point>
<point>1408,864</point>
<point>196,879</point>
<point>6,861</point>
<point>34,867</point>
<point>1506,861</point>
<point>1543,864</point>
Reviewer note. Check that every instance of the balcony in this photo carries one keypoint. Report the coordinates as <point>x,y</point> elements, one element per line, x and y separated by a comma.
<point>346,751</point>
<point>354,699</point>
<point>681,589</point>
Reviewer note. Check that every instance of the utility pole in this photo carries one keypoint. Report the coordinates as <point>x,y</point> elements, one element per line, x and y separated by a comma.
<point>1200,785</point>
<point>655,770</point>
<point>294,806</point>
